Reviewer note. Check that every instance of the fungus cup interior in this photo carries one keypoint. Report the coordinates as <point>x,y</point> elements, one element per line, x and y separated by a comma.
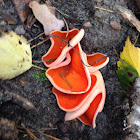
<point>79,89</point>
<point>89,116</point>
<point>96,59</point>
<point>70,102</point>
<point>71,78</point>
<point>57,39</point>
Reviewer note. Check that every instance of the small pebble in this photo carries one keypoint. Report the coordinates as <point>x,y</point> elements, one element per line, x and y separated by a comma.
<point>87,24</point>
<point>115,25</point>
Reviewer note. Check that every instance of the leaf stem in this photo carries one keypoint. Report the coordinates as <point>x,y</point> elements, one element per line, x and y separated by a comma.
<point>38,67</point>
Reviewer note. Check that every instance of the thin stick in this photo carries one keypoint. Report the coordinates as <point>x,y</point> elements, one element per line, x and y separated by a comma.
<point>31,134</point>
<point>99,60</point>
<point>36,37</point>
<point>66,26</point>
<point>39,43</point>
<point>23,102</point>
<point>36,61</point>
<point>46,129</point>
<point>65,80</point>
<point>28,131</point>
<point>136,39</point>
<point>38,67</point>
<point>61,12</point>
<point>103,9</point>
<point>3,3</point>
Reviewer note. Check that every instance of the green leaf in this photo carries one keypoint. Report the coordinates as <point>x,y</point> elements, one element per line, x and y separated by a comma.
<point>126,74</point>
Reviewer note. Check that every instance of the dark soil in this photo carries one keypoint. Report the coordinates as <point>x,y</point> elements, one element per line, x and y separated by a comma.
<point>98,38</point>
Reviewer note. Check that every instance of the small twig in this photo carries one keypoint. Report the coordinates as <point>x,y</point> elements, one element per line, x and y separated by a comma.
<point>46,129</point>
<point>28,131</point>
<point>38,67</point>
<point>36,37</point>
<point>103,9</point>
<point>99,60</point>
<point>3,3</point>
<point>36,61</point>
<point>127,14</point>
<point>65,80</point>
<point>66,26</point>
<point>61,12</point>
<point>119,106</point>
<point>136,39</point>
<point>40,43</point>
<point>23,102</point>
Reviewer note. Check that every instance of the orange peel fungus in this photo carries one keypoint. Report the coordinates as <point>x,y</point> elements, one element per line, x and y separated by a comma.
<point>77,83</point>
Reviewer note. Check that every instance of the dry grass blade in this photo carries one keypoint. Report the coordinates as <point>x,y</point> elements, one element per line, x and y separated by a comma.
<point>65,80</point>
<point>136,39</point>
<point>66,26</point>
<point>39,43</point>
<point>31,134</point>
<point>61,12</point>
<point>3,3</point>
<point>38,67</point>
<point>36,37</point>
<point>28,131</point>
<point>103,9</point>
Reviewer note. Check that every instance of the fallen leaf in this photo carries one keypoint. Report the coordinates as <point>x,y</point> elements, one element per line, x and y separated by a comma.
<point>45,14</point>
<point>15,55</point>
<point>24,11</point>
<point>129,64</point>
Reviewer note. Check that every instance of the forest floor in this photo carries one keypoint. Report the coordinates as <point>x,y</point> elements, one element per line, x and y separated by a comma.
<point>101,37</point>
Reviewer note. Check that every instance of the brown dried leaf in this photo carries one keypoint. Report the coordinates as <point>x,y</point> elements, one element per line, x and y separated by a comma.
<point>44,13</point>
<point>24,11</point>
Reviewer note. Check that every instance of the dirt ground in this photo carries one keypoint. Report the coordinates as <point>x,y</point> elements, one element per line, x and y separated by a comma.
<point>98,38</point>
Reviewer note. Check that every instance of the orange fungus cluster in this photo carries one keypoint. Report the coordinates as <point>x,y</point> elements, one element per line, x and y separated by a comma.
<point>77,82</point>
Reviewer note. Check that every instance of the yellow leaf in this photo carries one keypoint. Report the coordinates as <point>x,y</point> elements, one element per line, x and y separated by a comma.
<point>15,55</point>
<point>130,56</point>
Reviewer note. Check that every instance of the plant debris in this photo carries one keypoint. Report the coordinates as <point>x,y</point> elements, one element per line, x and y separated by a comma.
<point>24,12</point>
<point>21,101</point>
<point>128,15</point>
<point>8,130</point>
<point>31,132</point>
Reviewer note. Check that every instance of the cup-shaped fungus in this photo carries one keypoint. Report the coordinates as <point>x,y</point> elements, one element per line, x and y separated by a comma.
<point>78,85</point>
